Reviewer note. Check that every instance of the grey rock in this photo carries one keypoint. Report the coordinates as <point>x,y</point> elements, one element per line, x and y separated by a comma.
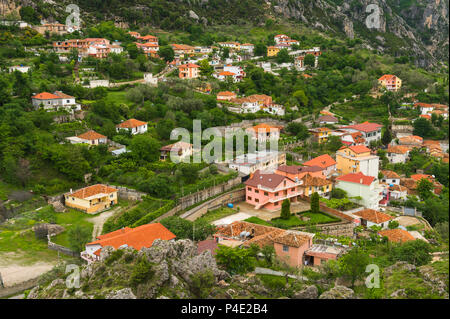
<point>34,293</point>
<point>193,15</point>
<point>338,292</point>
<point>310,292</point>
<point>124,293</point>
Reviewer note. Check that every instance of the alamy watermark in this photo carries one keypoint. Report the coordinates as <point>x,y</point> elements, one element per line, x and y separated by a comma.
<point>234,140</point>
<point>73,19</point>
<point>373,20</point>
<point>373,279</point>
<point>73,280</point>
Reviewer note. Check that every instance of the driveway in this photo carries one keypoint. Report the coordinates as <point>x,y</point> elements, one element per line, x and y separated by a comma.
<point>100,219</point>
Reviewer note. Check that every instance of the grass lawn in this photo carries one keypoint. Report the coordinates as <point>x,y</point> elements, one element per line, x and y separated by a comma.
<point>216,214</point>
<point>5,190</point>
<point>320,218</point>
<point>117,97</point>
<point>257,220</point>
<point>69,220</point>
<point>295,221</point>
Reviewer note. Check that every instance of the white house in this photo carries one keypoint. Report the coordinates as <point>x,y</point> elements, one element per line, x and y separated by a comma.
<point>366,187</point>
<point>132,125</point>
<point>55,101</point>
<point>180,149</point>
<point>397,154</point>
<point>90,137</point>
<point>370,217</point>
<point>390,177</point>
<point>260,160</point>
<point>370,131</point>
<point>148,78</point>
<point>20,68</point>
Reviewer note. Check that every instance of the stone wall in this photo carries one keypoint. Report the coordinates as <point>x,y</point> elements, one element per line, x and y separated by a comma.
<point>128,194</point>
<point>237,195</point>
<point>344,228</point>
<point>9,291</point>
<point>62,249</point>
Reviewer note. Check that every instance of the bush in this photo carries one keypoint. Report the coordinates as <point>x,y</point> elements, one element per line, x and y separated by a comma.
<point>142,272</point>
<point>235,260</point>
<point>393,224</point>
<point>286,209</point>
<point>416,252</point>
<point>315,203</point>
<point>114,256</point>
<point>201,284</point>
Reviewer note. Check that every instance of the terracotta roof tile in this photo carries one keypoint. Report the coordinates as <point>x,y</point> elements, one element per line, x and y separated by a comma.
<point>131,123</point>
<point>397,149</point>
<point>91,135</point>
<point>139,237</point>
<point>92,190</point>
<point>373,216</point>
<point>365,127</point>
<point>397,235</point>
<point>389,174</point>
<point>324,161</point>
<point>358,178</point>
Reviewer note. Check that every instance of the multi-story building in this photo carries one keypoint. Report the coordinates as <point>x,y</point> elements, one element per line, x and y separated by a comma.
<point>270,190</point>
<point>360,185</point>
<point>260,160</point>
<point>397,154</point>
<point>320,134</point>
<point>272,51</point>
<point>325,161</point>
<point>92,199</point>
<point>188,71</point>
<point>390,82</point>
<point>370,131</point>
<point>354,159</point>
<point>264,132</point>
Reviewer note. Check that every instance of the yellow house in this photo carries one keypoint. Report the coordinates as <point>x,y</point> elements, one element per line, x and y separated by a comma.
<point>390,82</point>
<point>355,159</point>
<point>272,51</point>
<point>320,134</point>
<point>92,199</point>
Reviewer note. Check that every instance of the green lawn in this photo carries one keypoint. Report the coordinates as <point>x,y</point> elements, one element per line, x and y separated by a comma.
<point>5,190</point>
<point>69,220</point>
<point>216,214</point>
<point>295,221</point>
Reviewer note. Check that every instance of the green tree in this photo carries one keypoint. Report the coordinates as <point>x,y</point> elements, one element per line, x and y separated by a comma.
<point>144,148</point>
<point>393,224</point>
<point>269,254</point>
<point>301,97</point>
<point>205,68</point>
<point>353,264</point>
<point>387,136</point>
<point>425,188</point>
<point>78,237</point>
<point>260,49</point>
<point>167,53</point>
<point>286,209</point>
<point>416,252</point>
<point>298,129</point>
<point>283,56</point>
<point>310,60</point>
<point>201,284</point>
<point>423,128</point>
<point>235,260</point>
<point>315,208</point>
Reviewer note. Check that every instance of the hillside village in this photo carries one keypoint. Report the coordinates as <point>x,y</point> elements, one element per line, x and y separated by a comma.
<point>88,172</point>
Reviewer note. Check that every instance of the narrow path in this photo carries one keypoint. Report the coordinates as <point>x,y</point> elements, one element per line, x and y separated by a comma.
<point>100,220</point>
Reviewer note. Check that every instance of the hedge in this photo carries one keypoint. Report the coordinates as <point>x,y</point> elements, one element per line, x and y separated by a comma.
<point>155,214</point>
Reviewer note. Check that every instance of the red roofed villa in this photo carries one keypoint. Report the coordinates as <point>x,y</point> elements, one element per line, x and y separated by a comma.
<point>132,125</point>
<point>92,199</point>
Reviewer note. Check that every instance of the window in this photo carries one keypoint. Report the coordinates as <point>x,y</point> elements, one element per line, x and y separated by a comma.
<point>266,194</point>
<point>276,194</point>
<point>275,204</point>
<point>256,191</point>
<point>249,189</point>
<point>257,200</point>
<point>249,198</point>
<point>285,248</point>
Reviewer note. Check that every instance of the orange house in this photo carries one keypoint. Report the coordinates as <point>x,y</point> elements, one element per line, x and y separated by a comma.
<point>188,71</point>
<point>390,82</point>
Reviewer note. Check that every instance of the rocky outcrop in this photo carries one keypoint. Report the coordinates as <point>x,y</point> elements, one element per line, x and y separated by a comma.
<point>338,292</point>
<point>125,293</point>
<point>310,292</point>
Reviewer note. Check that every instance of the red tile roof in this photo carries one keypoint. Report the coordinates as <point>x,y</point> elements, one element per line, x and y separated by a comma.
<point>91,135</point>
<point>45,96</point>
<point>188,65</point>
<point>396,235</point>
<point>131,123</point>
<point>418,177</point>
<point>389,174</point>
<point>365,127</point>
<point>139,237</point>
<point>397,149</point>
<point>324,161</point>
<point>358,178</point>
<point>373,216</point>
<point>265,128</point>
<point>92,190</point>
<point>226,93</point>
<point>266,180</point>
<point>359,149</point>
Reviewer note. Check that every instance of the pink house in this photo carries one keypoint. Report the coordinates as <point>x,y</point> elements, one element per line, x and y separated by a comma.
<point>290,245</point>
<point>269,190</point>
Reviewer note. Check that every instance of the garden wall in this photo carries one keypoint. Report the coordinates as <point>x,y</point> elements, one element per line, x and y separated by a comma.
<point>329,210</point>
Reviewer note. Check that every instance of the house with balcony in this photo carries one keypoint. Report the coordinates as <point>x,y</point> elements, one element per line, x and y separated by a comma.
<point>264,132</point>
<point>188,71</point>
<point>370,131</point>
<point>226,96</point>
<point>269,190</point>
<point>397,154</point>
<point>180,149</point>
<point>371,217</point>
<point>320,134</point>
<point>360,185</point>
<point>55,101</point>
<point>136,238</point>
<point>313,184</point>
<point>133,126</point>
<point>354,159</point>
<point>289,245</point>
<point>390,82</point>
<point>91,199</point>
<point>325,161</point>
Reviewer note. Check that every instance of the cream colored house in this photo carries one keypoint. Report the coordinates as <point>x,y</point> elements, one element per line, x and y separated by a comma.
<point>92,199</point>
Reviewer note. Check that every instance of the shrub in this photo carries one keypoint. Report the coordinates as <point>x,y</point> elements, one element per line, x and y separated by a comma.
<point>201,284</point>
<point>393,224</point>
<point>115,255</point>
<point>315,203</point>
<point>286,209</point>
<point>142,272</point>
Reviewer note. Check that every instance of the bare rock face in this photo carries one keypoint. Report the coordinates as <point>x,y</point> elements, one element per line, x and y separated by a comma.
<point>399,294</point>
<point>310,292</point>
<point>33,293</point>
<point>338,292</point>
<point>54,283</point>
<point>124,293</point>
